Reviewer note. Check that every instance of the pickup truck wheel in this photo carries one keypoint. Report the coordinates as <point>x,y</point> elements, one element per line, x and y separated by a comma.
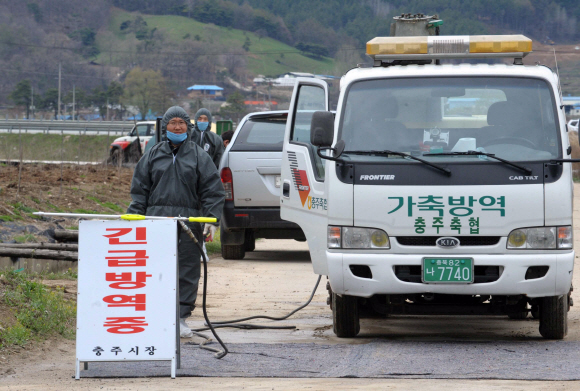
<point>115,156</point>
<point>233,251</point>
<point>554,317</point>
<point>249,241</point>
<point>345,318</point>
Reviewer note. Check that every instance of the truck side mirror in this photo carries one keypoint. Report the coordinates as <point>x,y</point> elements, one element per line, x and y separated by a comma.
<point>322,129</point>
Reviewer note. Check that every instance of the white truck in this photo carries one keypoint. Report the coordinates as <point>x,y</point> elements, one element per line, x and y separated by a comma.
<point>435,189</point>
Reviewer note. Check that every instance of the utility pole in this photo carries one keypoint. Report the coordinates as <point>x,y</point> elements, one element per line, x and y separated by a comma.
<point>107,109</point>
<point>73,113</point>
<point>59,68</point>
<point>32,101</point>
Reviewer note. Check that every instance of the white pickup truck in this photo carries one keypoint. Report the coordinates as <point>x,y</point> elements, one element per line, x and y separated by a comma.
<point>436,189</point>
<point>142,131</point>
<point>250,173</point>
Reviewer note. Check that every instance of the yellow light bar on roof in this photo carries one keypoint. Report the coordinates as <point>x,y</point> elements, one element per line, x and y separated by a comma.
<point>449,46</point>
<point>397,45</point>
<point>499,44</point>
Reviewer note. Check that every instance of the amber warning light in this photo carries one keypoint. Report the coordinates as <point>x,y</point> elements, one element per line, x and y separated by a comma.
<point>448,46</point>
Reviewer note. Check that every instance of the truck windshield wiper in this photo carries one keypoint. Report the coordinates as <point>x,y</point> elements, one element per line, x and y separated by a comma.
<point>479,153</point>
<point>402,154</point>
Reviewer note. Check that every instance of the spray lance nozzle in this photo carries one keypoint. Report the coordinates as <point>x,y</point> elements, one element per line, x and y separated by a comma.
<point>188,231</point>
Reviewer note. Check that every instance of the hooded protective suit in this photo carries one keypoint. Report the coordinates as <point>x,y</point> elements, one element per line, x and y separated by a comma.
<point>209,142</point>
<point>184,184</point>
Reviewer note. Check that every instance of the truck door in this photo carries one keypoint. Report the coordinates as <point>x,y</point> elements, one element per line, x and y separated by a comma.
<point>303,200</point>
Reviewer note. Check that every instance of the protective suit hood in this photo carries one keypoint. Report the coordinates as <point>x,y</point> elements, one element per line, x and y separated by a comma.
<point>175,112</point>
<point>205,112</point>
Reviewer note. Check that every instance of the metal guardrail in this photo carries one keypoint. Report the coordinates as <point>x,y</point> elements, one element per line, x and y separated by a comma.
<point>54,126</point>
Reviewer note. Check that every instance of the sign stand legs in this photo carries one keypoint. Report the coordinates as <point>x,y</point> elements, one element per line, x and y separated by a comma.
<point>177,314</point>
<point>77,370</point>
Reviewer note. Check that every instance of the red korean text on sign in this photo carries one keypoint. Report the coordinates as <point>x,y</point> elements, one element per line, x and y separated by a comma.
<point>140,235</point>
<point>125,325</point>
<point>125,280</point>
<point>138,301</point>
<point>137,258</point>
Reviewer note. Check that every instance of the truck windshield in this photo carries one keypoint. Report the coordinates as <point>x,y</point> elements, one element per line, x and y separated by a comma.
<point>511,117</point>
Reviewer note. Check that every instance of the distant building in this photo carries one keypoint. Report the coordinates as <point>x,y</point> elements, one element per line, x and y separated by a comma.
<point>205,92</point>
<point>572,105</point>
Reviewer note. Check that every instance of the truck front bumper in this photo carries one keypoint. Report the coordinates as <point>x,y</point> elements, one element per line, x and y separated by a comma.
<point>511,281</point>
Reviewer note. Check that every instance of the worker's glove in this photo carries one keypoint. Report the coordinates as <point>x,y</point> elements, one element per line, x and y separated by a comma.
<point>209,232</point>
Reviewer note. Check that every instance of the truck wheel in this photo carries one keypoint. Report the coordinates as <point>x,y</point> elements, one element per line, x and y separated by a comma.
<point>233,251</point>
<point>554,317</point>
<point>345,317</point>
<point>115,156</point>
<point>249,241</point>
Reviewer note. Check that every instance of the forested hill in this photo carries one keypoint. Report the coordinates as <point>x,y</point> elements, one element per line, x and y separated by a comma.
<point>330,22</point>
<point>98,42</point>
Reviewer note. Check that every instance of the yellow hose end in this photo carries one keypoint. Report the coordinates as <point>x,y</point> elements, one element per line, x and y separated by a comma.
<point>202,220</point>
<point>132,217</point>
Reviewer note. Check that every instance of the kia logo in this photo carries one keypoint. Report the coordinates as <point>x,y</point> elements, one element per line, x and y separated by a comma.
<point>447,242</point>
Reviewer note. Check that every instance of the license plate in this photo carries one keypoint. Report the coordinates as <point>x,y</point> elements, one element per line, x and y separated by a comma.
<point>448,270</point>
<point>278,181</point>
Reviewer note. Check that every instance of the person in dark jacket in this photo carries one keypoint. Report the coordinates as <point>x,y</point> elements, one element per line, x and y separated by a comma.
<point>177,178</point>
<point>227,137</point>
<point>205,138</point>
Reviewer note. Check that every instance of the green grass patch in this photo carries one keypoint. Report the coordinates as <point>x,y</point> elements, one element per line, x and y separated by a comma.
<point>24,208</point>
<point>69,274</point>
<point>114,207</point>
<point>26,238</point>
<point>109,205</point>
<point>40,312</point>
<point>54,207</point>
<point>48,147</point>
<point>6,218</point>
<point>175,28</point>
<point>14,335</point>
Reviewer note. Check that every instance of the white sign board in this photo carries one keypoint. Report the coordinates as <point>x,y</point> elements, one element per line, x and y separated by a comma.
<point>127,291</point>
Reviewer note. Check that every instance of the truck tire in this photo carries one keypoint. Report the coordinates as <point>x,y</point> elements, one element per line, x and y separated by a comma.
<point>249,241</point>
<point>345,318</point>
<point>233,252</point>
<point>115,156</point>
<point>554,317</point>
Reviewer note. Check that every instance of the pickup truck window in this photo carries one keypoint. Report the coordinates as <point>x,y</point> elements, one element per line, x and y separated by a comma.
<point>141,129</point>
<point>512,117</point>
<point>261,135</point>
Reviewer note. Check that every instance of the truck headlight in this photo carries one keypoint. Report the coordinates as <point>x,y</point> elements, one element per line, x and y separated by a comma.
<point>356,237</point>
<point>536,238</point>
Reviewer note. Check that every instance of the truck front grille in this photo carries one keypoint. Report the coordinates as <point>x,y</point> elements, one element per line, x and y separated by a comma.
<point>427,241</point>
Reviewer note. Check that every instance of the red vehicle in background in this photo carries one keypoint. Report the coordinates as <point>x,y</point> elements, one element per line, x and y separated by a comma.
<point>130,148</point>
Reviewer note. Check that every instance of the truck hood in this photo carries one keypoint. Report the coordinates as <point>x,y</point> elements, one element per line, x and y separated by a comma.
<point>449,210</point>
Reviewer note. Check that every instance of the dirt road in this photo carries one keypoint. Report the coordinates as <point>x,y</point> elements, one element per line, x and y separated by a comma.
<point>273,280</point>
